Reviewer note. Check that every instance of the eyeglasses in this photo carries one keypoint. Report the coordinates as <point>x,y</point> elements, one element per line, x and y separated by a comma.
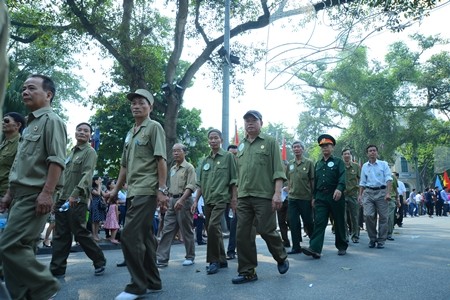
<point>6,120</point>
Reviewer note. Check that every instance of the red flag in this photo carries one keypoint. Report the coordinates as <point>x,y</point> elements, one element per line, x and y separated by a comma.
<point>236,135</point>
<point>446,179</point>
<point>283,150</point>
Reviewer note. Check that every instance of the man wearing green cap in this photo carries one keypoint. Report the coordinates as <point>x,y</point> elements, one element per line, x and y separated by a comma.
<point>329,186</point>
<point>260,180</point>
<point>144,168</point>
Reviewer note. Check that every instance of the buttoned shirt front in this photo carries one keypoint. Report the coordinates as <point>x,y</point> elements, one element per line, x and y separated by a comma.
<point>259,165</point>
<point>352,177</point>
<point>8,150</point>
<point>139,157</point>
<point>375,174</point>
<point>300,175</point>
<point>43,141</point>
<point>217,174</point>
<point>330,175</point>
<point>80,165</point>
<point>182,177</point>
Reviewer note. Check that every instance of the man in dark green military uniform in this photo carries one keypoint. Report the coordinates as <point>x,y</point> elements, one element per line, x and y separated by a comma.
<point>300,174</point>
<point>35,177</point>
<point>329,186</point>
<point>143,167</point>
<point>78,173</point>
<point>352,206</point>
<point>260,180</point>
<point>217,184</point>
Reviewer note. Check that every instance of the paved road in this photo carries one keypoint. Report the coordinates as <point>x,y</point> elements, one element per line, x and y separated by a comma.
<point>414,266</point>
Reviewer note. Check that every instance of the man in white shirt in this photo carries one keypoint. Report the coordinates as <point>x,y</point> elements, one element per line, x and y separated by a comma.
<point>374,194</point>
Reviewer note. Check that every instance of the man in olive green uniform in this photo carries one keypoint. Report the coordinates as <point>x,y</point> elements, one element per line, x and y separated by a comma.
<point>260,180</point>
<point>35,177</point>
<point>329,186</point>
<point>182,183</point>
<point>13,125</point>
<point>4,63</point>
<point>394,202</point>
<point>144,168</point>
<point>217,184</point>
<point>352,177</point>
<point>78,174</point>
<point>300,174</point>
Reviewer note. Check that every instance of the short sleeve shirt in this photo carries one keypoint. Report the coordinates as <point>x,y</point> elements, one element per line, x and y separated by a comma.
<point>352,177</point>
<point>43,141</point>
<point>217,175</point>
<point>8,150</point>
<point>182,177</point>
<point>259,165</point>
<point>80,165</point>
<point>300,175</point>
<point>139,157</point>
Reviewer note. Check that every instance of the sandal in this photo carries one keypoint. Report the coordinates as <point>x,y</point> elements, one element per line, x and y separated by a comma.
<point>46,245</point>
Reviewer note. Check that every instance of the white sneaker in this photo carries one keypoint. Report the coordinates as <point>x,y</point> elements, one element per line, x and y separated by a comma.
<point>188,262</point>
<point>127,296</point>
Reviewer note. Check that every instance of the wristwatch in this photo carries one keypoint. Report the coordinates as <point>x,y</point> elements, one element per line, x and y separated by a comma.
<point>164,190</point>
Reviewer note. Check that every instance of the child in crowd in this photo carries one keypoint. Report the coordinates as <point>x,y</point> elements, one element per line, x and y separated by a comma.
<point>112,220</point>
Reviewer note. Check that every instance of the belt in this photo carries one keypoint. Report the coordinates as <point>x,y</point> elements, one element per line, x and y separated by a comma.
<point>176,196</point>
<point>327,189</point>
<point>376,188</point>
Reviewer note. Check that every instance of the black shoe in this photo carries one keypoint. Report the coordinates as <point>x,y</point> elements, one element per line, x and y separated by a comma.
<point>213,268</point>
<point>390,238</point>
<point>355,240</point>
<point>231,256</point>
<point>342,252</point>
<point>223,265</point>
<point>201,243</point>
<point>283,267</point>
<point>295,251</point>
<point>241,278</point>
<point>287,244</point>
<point>122,264</point>
<point>380,245</point>
<point>310,252</point>
<point>371,244</point>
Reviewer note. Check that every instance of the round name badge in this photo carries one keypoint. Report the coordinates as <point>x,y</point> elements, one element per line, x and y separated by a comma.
<point>330,164</point>
<point>172,172</point>
<point>127,139</point>
<point>262,146</point>
<point>206,167</point>
<point>291,167</point>
<point>241,147</point>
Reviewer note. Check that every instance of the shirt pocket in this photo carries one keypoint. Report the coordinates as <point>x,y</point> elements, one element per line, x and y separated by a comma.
<point>142,148</point>
<point>76,168</point>
<point>30,144</point>
<point>261,157</point>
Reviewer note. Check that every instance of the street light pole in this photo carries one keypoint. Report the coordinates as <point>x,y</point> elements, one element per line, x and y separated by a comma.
<point>226,79</point>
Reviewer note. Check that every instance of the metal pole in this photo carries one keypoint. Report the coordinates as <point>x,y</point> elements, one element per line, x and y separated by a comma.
<point>226,79</point>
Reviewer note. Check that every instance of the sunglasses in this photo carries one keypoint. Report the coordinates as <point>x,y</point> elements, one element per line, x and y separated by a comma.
<point>6,120</point>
